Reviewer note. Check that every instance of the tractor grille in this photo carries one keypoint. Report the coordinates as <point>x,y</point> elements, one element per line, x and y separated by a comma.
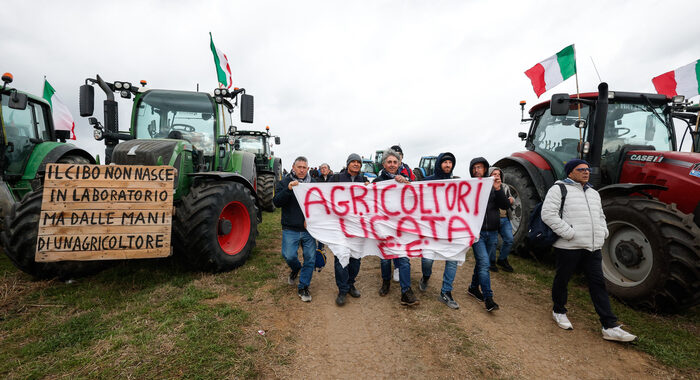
<point>143,152</point>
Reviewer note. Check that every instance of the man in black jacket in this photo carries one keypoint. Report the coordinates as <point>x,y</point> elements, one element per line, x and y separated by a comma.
<point>345,277</point>
<point>294,228</point>
<point>488,236</point>
<point>326,174</point>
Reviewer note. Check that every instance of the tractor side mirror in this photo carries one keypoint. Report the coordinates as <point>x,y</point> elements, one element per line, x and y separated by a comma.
<point>62,134</point>
<point>650,128</point>
<point>277,140</point>
<point>559,106</point>
<point>87,100</point>
<point>17,101</point>
<point>247,108</point>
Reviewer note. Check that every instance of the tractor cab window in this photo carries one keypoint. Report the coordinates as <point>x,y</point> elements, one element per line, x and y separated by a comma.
<point>177,114</point>
<point>252,144</point>
<point>429,165</point>
<point>631,126</point>
<point>556,137</point>
<point>367,167</point>
<point>20,127</point>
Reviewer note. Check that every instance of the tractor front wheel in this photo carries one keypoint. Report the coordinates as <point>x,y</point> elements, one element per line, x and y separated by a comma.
<point>216,225</point>
<point>651,257</point>
<point>266,191</point>
<point>525,198</point>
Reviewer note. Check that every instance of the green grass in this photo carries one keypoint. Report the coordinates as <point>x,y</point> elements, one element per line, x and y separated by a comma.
<point>138,319</point>
<point>671,339</point>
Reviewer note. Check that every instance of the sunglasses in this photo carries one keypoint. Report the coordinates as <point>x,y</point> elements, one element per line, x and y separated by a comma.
<point>581,170</point>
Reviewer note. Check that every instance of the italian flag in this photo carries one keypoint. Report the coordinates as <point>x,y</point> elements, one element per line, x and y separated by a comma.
<point>553,70</point>
<point>681,81</point>
<point>223,71</point>
<point>62,118</point>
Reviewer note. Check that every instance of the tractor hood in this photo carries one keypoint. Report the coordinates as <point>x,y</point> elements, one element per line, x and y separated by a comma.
<point>148,152</point>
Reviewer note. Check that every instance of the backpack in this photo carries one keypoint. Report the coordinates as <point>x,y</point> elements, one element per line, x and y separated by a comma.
<point>540,236</point>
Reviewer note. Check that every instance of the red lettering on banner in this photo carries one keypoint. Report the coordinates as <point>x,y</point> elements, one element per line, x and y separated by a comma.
<point>387,243</point>
<point>341,203</point>
<point>392,213</point>
<point>400,227</point>
<point>462,196</point>
<point>453,187</point>
<point>371,225</point>
<point>410,252</point>
<point>432,220</point>
<point>451,229</point>
<point>364,227</point>
<point>321,201</point>
<point>423,210</point>
<point>342,228</point>
<point>403,199</point>
<point>376,196</point>
<point>476,202</point>
<point>435,196</point>
<point>356,198</point>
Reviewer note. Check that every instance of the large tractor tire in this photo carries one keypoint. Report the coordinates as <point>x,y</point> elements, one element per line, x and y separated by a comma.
<point>215,226</point>
<point>525,199</point>
<point>418,173</point>
<point>266,191</point>
<point>651,259</point>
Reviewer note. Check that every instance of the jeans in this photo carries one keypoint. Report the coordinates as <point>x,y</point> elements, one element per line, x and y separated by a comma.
<point>448,276</point>
<point>404,266</point>
<point>345,277</point>
<point>506,231</point>
<point>481,276</point>
<point>567,262</point>
<point>290,244</point>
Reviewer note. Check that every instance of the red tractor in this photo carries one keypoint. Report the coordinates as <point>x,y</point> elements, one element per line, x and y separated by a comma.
<point>650,190</point>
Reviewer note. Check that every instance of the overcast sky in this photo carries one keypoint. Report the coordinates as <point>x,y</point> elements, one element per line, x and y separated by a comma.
<point>336,77</point>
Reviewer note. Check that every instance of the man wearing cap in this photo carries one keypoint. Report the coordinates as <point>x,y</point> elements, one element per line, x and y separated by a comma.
<point>345,277</point>
<point>404,169</point>
<point>444,165</point>
<point>582,230</point>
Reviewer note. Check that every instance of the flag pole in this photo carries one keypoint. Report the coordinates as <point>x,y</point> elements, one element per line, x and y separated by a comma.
<point>578,97</point>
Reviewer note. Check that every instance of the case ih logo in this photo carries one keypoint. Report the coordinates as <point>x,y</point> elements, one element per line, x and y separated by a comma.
<point>646,158</point>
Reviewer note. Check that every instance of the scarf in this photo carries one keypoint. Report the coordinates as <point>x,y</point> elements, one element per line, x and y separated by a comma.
<point>294,177</point>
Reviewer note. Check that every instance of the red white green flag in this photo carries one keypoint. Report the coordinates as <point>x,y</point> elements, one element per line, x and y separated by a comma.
<point>223,71</point>
<point>681,81</point>
<point>62,118</point>
<point>553,70</point>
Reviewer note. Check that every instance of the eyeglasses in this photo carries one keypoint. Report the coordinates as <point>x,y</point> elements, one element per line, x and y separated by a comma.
<point>581,170</point>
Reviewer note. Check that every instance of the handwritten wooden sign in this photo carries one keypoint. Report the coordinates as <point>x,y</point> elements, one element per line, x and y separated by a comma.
<point>105,212</point>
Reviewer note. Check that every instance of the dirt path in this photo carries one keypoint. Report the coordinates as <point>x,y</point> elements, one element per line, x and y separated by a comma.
<point>376,337</point>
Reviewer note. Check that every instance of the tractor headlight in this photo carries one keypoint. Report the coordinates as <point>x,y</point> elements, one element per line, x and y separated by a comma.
<point>97,133</point>
<point>118,85</point>
<point>127,85</point>
<point>224,92</point>
<point>217,92</point>
<point>125,94</point>
<point>231,139</point>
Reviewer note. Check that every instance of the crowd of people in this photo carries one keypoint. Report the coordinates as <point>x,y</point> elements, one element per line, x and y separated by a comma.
<point>578,246</point>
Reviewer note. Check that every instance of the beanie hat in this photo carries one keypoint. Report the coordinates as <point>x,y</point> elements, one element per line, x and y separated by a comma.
<point>397,149</point>
<point>353,157</point>
<point>574,163</point>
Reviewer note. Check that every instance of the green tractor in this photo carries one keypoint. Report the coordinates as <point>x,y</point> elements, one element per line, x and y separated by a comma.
<point>214,226</point>
<point>29,143</point>
<point>268,166</point>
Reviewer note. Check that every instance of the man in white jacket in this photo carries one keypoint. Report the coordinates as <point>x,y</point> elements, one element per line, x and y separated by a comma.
<point>582,230</point>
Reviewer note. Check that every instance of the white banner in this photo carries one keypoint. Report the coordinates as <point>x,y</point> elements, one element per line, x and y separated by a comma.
<point>434,219</point>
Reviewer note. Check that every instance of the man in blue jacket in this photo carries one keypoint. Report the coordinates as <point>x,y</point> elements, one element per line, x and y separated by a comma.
<point>345,277</point>
<point>444,165</point>
<point>294,228</point>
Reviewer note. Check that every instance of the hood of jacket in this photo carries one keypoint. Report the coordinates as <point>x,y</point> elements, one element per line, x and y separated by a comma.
<point>476,161</point>
<point>491,170</point>
<point>437,172</point>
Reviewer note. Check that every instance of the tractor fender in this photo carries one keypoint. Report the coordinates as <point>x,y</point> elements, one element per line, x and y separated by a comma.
<point>224,176</point>
<point>625,189</point>
<point>541,179</point>
<point>61,150</point>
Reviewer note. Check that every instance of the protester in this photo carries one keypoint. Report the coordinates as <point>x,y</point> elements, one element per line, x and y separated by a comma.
<point>404,169</point>
<point>505,229</point>
<point>582,230</point>
<point>444,165</point>
<point>480,287</point>
<point>325,175</point>
<point>345,277</point>
<point>390,162</point>
<point>294,230</point>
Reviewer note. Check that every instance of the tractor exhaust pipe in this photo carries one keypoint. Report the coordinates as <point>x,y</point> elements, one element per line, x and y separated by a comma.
<point>111,120</point>
<point>598,129</point>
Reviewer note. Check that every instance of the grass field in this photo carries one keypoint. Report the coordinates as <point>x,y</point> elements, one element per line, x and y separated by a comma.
<point>157,319</point>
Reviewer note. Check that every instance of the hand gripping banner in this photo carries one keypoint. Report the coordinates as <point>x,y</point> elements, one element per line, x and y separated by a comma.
<point>434,219</point>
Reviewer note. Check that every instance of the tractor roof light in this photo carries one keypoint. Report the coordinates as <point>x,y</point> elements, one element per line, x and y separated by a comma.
<point>143,83</point>
<point>217,91</point>
<point>218,99</point>
<point>125,94</point>
<point>118,85</point>
<point>611,94</point>
<point>678,99</point>
<point>98,133</point>
<point>224,92</point>
<point>127,85</point>
<point>7,78</point>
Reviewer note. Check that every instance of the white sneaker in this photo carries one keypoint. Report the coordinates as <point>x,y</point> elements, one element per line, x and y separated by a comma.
<point>396,275</point>
<point>618,334</point>
<point>562,321</point>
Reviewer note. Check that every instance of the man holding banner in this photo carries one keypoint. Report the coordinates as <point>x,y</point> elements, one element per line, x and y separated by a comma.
<point>294,228</point>
<point>444,165</point>
<point>345,276</point>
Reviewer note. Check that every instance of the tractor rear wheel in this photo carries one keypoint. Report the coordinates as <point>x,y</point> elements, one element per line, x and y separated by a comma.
<point>525,198</point>
<point>20,238</point>
<point>651,259</point>
<point>216,225</point>
<point>266,191</point>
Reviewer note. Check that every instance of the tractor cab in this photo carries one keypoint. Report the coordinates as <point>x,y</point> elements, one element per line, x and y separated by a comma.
<point>269,167</point>
<point>426,167</point>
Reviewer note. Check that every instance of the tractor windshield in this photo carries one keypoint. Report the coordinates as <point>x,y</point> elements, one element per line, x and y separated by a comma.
<point>22,126</point>
<point>367,167</point>
<point>177,114</point>
<point>251,143</point>
<point>556,137</point>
